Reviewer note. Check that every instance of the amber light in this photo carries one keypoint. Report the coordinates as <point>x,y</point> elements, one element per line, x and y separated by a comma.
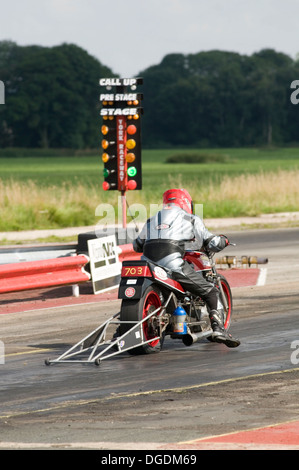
<point>105,130</point>
<point>131,144</point>
<point>130,157</point>
<point>105,157</point>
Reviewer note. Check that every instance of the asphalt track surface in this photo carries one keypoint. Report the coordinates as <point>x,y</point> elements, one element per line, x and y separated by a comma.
<point>202,397</point>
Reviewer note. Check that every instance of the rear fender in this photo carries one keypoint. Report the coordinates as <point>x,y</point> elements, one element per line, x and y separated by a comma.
<point>131,289</point>
<point>136,276</point>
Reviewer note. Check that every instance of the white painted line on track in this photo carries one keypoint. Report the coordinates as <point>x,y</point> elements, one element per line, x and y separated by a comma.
<point>262,277</point>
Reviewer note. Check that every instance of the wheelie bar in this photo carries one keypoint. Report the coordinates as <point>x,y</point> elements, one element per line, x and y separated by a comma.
<point>87,349</point>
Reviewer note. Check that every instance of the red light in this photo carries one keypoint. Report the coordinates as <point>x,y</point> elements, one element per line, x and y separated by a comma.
<point>131,129</point>
<point>106,186</point>
<point>132,184</point>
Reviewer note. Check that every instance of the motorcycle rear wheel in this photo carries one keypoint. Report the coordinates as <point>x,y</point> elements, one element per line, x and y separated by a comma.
<point>136,310</point>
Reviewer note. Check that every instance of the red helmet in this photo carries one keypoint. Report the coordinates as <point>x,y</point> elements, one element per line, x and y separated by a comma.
<point>179,197</point>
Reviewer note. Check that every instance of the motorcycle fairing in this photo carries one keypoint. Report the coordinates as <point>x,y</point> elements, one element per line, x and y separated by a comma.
<point>198,259</point>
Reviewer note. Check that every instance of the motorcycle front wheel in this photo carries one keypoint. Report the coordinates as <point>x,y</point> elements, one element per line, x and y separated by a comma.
<point>229,301</point>
<point>138,309</point>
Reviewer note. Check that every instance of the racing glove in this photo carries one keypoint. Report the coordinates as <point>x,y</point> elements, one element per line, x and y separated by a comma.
<point>216,243</point>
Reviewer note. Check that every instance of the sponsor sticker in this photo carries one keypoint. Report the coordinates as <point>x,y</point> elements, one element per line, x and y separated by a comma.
<point>160,273</point>
<point>129,292</point>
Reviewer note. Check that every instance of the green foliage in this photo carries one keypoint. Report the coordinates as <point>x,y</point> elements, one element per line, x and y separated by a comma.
<point>220,99</point>
<point>51,96</point>
<point>211,99</point>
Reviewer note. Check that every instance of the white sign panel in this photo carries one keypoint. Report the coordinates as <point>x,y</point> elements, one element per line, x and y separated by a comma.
<point>105,267</point>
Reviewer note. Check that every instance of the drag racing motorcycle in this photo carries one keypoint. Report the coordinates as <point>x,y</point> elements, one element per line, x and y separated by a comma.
<point>154,305</point>
<point>160,305</point>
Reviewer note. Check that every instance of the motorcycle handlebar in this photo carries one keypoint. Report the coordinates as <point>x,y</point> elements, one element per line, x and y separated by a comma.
<point>210,254</point>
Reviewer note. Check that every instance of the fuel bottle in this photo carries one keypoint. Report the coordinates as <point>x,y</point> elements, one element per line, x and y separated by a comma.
<point>179,321</point>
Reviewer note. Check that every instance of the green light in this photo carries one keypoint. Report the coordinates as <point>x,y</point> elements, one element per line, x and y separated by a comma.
<point>105,172</point>
<point>132,171</point>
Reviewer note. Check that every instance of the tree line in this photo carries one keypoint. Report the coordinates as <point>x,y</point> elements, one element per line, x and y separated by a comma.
<point>208,99</point>
<point>51,96</point>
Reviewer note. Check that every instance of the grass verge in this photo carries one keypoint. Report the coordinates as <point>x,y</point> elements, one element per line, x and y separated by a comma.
<point>27,206</point>
<point>63,191</point>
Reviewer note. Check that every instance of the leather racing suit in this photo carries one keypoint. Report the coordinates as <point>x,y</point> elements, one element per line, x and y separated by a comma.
<point>162,240</point>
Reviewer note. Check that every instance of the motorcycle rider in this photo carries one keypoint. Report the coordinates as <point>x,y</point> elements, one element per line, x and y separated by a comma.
<point>162,241</point>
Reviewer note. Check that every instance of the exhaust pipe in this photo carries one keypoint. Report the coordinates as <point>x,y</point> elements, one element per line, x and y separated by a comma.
<point>191,338</point>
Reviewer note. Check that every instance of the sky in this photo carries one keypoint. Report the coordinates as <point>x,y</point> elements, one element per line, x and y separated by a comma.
<point>130,36</point>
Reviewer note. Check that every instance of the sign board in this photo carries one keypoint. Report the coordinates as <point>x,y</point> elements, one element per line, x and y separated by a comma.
<point>105,267</point>
<point>121,114</point>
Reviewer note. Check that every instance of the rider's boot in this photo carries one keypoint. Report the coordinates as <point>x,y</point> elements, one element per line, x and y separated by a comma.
<point>220,335</point>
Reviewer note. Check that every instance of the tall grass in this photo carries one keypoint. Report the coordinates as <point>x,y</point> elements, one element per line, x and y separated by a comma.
<point>26,205</point>
<point>29,206</point>
<point>253,194</point>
